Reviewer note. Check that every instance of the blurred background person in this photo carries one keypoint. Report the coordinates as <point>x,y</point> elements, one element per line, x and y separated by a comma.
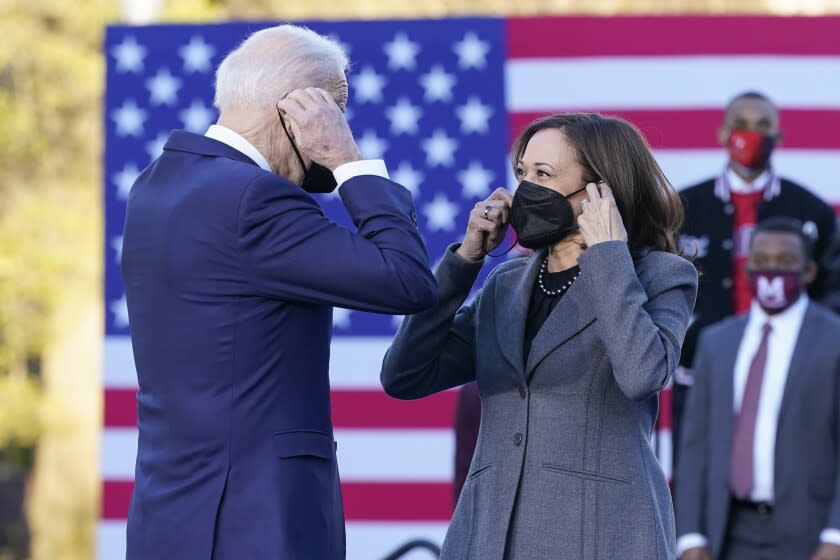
<point>763,482</point>
<point>721,214</point>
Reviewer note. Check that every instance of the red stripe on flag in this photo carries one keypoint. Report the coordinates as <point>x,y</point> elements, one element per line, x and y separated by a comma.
<point>351,409</point>
<point>362,501</point>
<point>671,36</point>
<point>375,409</point>
<point>698,128</point>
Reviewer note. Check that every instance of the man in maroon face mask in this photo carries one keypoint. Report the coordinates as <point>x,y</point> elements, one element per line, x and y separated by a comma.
<point>721,214</point>
<point>759,468</point>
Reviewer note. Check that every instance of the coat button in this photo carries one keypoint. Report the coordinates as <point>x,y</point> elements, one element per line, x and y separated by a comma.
<point>522,391</point>
<point>726,283</point>
<point>727,244</point>
<point>517,439</point>
<point>729,209</point>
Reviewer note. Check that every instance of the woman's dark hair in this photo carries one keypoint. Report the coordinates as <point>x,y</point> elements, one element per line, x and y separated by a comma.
<point>613,150</point>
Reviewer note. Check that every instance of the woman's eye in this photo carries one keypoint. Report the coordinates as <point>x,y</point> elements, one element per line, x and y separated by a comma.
<point>542,174</point>
<point>520,172</point>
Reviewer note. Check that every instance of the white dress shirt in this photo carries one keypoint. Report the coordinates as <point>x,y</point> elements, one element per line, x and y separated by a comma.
<point>780,345</point>
<point>740,186</point>
<point>341,173</point>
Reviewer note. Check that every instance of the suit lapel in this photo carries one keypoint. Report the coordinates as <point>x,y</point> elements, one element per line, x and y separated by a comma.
<point>808,333</point>
<point>571,315</point>
<point>513,295</point>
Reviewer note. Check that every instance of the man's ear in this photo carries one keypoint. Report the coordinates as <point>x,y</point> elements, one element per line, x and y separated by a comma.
<point>723,136</point>
<point>810,273</point>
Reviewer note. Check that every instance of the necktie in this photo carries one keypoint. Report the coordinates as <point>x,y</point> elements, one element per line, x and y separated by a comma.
<point>741,462</point>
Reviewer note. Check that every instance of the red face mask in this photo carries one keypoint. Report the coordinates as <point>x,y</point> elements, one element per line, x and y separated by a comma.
<point>750,148</point>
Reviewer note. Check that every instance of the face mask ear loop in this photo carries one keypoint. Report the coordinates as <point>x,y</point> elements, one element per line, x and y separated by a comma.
<point>509,249</point>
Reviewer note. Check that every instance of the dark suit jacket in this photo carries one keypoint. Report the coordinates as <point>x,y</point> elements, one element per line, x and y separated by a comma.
<point>230,274</point>
<point>807,456</point>
<point>709,224</point>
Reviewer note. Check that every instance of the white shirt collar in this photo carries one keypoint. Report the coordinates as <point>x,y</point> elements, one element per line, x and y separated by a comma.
<point>740,186</point>
<point>791,316</point>
<point>237,142</point>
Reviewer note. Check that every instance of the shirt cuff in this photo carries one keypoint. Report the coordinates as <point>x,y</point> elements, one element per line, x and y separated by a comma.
<point>347,171</point>
<point>830,536</point>
<point>688,541</point>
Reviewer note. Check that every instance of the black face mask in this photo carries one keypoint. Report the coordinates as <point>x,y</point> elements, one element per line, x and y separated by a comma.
<point>316,179</point>
<point>541,216</point>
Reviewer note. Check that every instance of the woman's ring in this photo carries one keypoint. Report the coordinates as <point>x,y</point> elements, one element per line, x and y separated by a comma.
<point>487,210</point>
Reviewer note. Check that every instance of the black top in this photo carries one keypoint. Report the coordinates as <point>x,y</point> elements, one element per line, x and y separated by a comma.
<point>542,304</point>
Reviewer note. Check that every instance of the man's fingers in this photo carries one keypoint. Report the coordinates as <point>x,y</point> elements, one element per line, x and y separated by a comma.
<point>606,191</point>
<point>592,192</point>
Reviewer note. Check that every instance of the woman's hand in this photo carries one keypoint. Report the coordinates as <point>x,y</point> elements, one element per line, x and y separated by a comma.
<point>487,226</point>
<point>600,220</point>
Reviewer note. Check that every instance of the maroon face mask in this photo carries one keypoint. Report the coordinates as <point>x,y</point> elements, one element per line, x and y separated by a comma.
<point>775,290</point>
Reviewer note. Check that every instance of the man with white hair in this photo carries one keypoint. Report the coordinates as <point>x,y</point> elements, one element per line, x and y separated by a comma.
<point>231,272</point>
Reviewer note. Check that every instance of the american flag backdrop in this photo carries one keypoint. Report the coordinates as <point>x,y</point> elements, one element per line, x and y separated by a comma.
<point>440,101</point>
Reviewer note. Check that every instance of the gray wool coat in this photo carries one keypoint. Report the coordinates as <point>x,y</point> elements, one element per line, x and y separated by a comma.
<point>563,468</point>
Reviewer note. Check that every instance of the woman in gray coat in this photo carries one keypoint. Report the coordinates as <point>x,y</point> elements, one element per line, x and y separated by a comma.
<point>569,348</point>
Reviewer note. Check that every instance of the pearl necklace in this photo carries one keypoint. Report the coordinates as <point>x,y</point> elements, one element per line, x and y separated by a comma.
<point>558,291</point>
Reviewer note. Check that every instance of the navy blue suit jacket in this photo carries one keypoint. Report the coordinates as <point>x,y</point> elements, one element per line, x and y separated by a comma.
<point>230,274</point>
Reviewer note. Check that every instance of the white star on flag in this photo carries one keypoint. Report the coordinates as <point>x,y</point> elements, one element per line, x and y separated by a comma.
<point>125,179</point>
<point>367,86</point>
<point>155,147</point>
<point>371,145</point>
<point>474,116</point>
<point>129,118</point>
<point>471,51</point>
<point>440,213</point>
<point>129,55</point>
<point>408,177</point>
<point>196,55</point>
<point>341,317</point>
<point>119,309</point>
<point>197,117</point>
<point>163,88</point>
<point>438,84</point>
<point>404,117</point>
<point>440,149</point>
<point>475,180</point>
<point>116,245</point>
<point>401,52</point>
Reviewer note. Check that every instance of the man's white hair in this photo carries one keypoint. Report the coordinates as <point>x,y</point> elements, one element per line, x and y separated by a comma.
<point>272,62</point>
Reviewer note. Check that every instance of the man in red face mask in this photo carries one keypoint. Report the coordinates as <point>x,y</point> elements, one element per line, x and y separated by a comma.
<point>721,215</point>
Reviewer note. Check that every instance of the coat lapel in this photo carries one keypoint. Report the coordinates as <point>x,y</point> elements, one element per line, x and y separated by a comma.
<point>571,315</point>
<point>513,295</point>
<point>808,333</point>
